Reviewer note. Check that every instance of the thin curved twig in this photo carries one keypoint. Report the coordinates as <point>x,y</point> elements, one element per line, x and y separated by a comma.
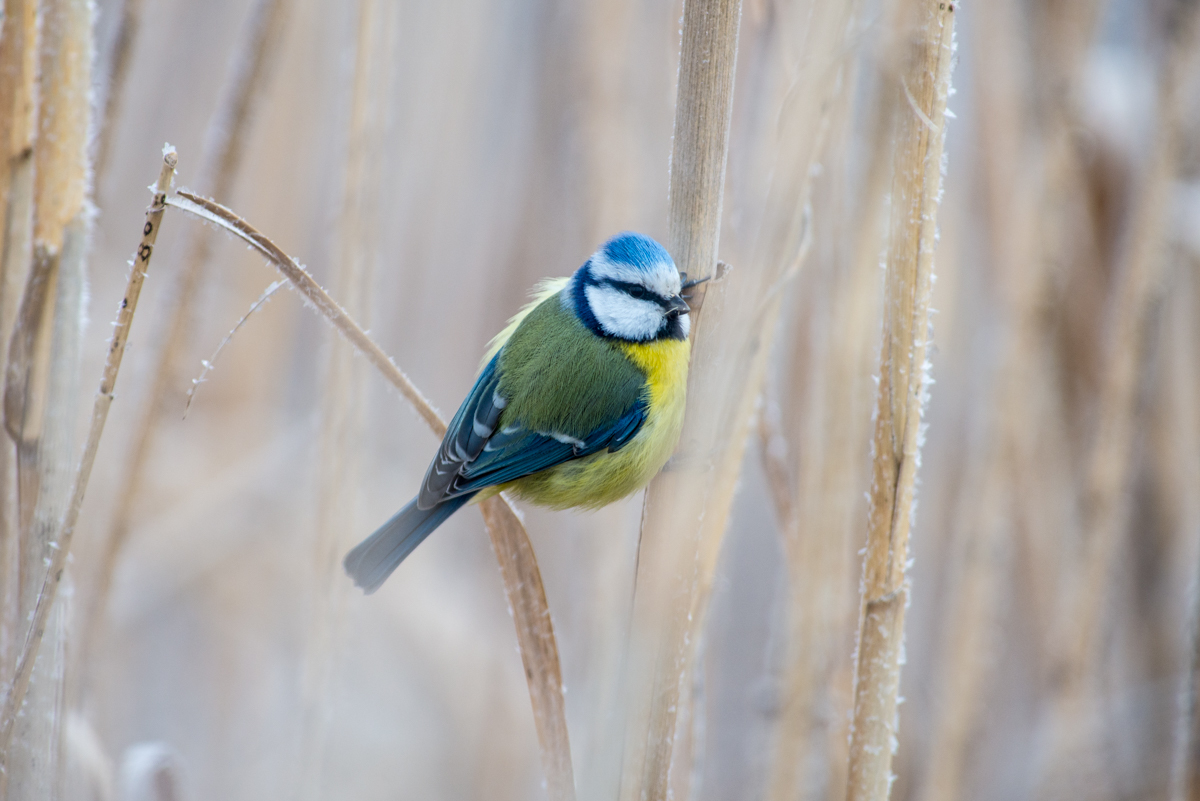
<point>518,563</point>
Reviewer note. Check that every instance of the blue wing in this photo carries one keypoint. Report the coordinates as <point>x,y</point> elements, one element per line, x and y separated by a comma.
<point>466,436</point>
<point>517,452</point>
<point>474,455</point>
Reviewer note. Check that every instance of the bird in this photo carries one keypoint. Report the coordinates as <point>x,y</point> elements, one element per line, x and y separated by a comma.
<point>579,401</point>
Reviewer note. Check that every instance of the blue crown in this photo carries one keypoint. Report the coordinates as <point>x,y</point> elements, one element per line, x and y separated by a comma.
<point>636,250</point>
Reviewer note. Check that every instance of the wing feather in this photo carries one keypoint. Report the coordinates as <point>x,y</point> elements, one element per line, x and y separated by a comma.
<point>466,436</point>
<point>474,455</point>
<point>519,452</point>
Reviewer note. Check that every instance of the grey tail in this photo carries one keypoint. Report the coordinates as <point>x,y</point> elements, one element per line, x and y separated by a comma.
<point>374,559</point>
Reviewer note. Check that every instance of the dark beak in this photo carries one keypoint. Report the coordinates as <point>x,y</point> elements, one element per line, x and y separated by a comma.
<point>676,306</point>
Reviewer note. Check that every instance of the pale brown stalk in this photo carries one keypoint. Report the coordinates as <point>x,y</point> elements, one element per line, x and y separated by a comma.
<point>18,74</point>
<point>312,292</point>
<point>104,397</point>
<point>518,564</point>
<point>18,60</point>
<point>916,185</point>
<point>220,162</point>
<point>41,391</point>
<point>669,550</point>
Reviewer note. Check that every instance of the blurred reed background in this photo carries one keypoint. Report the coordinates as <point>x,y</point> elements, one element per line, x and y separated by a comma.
<point>429,162</point>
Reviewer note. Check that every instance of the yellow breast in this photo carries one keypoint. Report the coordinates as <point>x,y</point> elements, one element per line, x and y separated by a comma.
<point>597,480</point>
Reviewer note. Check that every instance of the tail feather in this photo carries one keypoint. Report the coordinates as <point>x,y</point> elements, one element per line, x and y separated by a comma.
<point>374,559</point>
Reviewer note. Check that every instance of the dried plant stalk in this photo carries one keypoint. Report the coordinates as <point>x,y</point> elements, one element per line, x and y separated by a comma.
<point>104,398</point>
<point>60,161</point>
<point>518,564</point>
<point>18,73</point>
<point>41,393</point>
<point>916,186</point>
<point>220,162</point>
<point>981,544</point>
<point>668,553</point>
<point>312,292</point>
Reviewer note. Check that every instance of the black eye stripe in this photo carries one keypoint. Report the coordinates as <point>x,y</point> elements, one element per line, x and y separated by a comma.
<point>637,291</point>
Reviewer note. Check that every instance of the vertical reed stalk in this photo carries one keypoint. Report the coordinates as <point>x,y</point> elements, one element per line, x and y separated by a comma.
<point>220,163</point>
<point>916,187</point>
<point>64,531</point>
<point>518,563</point>
<point>41,385</point>
<point>18,51</point>
<point>670,549</point>
<point>341,437</point>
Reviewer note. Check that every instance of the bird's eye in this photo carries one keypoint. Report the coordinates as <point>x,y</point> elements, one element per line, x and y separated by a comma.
<point>637,291</point>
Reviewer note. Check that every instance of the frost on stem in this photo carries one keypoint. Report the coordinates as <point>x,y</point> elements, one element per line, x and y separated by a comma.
<point>903,392</point>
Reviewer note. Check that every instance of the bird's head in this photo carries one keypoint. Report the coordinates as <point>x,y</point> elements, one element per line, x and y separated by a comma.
<point>629,289</point>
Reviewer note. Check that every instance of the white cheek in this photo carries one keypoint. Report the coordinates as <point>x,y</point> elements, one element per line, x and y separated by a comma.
<point>623,316</point>
<point>685,324</point>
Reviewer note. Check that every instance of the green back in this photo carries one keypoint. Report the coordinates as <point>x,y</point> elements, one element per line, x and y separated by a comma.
<point>559,376</point>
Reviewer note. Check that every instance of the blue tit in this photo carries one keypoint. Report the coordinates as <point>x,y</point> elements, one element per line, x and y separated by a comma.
<point>579,401</point>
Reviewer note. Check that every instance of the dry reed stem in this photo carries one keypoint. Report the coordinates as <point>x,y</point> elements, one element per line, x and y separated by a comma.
<point>118,73</point>
<point>18,39</point>
<point>64,105</point>
<point>312,292</point>
<point>59,186</point>
<point>18,74</point>
<point>25,377</point>
<point>1105,496</point>
<point>518,564</point>
<point>669,550</point>
<point>43,412</point>
<point>220,162</point>
<point>104,398</point>
<point>916,186</point>
<point>535,634</point>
